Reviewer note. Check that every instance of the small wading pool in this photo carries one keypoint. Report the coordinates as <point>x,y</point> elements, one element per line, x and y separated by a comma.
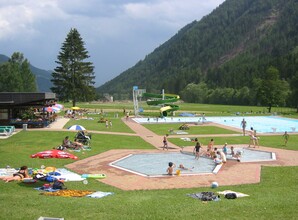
<point>156,164</point>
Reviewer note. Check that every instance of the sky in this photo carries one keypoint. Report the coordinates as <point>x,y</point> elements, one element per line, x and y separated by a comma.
<point>117,33</point>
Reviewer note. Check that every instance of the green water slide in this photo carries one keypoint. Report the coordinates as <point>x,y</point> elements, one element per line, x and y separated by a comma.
<point>165,101</point>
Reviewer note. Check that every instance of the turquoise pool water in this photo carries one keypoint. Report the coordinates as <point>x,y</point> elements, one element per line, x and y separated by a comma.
<point>156,164</point>
<point>262,124</point>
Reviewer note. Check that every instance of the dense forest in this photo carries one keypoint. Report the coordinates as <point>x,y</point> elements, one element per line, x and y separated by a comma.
<point>244,52</point>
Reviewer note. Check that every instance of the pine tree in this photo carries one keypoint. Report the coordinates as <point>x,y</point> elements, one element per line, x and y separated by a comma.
<point>73,78</point>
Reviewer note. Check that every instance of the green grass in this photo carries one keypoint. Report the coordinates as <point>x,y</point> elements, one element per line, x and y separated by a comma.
<point>266,141</point>
<point>165,129</point>
<point>208,109</point>
<point>94,125</point>
<point>275,197</point>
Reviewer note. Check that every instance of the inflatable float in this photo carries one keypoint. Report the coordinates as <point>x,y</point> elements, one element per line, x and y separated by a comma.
<point>94,176</point>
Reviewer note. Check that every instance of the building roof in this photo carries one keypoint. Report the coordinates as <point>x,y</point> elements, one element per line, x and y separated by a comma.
<point>26,99</point>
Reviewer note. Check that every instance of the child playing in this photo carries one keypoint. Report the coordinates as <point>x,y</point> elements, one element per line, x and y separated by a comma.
<point>217,160</point>
<point>286,137</point>
<point>225,149</point>
<point>170,169</point>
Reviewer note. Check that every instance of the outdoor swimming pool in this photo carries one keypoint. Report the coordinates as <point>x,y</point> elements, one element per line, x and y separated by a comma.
<point>262,124</point>
<point>156,164</point>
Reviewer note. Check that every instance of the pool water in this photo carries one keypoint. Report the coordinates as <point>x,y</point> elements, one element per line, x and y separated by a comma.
<point>262,124</point>
<point>253,155</point>
<point>156,164</point>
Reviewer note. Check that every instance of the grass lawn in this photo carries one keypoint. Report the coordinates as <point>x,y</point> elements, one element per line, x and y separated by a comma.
<point>266,141</point>
<point>92,124</point>
<point>275,197</point>
<point>165,129</point>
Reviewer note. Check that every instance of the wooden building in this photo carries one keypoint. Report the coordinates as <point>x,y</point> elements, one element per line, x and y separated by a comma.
<point>17,108</point>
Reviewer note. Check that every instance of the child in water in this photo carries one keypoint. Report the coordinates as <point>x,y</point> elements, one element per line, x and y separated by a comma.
<point>170,169</point>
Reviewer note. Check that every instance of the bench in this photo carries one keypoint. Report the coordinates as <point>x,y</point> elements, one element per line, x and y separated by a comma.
<point>9,129</point>
<point>3,132</point>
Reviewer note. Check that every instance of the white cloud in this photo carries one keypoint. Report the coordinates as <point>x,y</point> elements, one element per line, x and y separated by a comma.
<point>117,33</point>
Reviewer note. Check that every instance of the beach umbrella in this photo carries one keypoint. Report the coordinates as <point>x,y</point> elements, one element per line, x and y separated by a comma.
<point>59,106</point>
<point>76,128</point>
<point>52,109</point>
<point>75,108</point>
<point>54,154</point>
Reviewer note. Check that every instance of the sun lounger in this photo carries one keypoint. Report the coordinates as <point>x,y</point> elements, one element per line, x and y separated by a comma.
<point>3,132</point>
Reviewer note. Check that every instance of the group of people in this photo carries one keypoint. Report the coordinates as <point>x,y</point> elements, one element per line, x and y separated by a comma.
<point>73,145</point>
<point>219,156</point>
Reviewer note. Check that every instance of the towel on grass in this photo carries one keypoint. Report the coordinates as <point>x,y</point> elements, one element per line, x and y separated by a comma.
<point>100,194</point>
<point>77,193</point>
<point>205,196</point>
<point>238,194</point>
<point>47,189</point>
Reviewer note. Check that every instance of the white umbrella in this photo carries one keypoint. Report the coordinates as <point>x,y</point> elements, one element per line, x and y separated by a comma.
<point>76,128</point>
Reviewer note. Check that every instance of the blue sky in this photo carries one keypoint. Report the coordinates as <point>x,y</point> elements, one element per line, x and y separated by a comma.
<point>117,33</point>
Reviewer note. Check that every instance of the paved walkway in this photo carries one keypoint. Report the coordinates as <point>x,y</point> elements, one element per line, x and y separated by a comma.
<point>232,173</point>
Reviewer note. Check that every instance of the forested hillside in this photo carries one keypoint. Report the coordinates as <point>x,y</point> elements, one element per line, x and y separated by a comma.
<point>226,57</point>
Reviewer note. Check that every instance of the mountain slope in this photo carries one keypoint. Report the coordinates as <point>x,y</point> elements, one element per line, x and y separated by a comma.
<point>43,77</point>
<point>227,48</point>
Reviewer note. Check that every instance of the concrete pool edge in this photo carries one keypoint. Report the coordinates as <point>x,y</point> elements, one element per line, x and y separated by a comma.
<point>232,173</point>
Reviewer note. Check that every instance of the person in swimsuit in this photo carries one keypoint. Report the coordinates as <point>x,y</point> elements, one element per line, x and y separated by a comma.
<point>170,169</point>
<point>165,142</point>
<point>196,149</point>
<point>20,175</point>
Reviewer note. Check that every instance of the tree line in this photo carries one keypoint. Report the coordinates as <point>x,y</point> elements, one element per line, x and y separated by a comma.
<point>16,75</point>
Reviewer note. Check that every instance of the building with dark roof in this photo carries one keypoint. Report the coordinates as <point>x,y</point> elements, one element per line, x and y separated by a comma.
<point>14,106</point>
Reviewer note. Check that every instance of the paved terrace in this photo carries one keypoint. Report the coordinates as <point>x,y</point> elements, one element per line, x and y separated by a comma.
<point>231,173</point>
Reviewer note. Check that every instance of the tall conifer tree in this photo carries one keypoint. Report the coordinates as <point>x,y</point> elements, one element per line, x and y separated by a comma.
<point>73,78</point>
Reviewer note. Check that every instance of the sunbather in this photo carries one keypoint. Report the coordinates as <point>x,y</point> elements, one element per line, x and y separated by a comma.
<point>20,175</point>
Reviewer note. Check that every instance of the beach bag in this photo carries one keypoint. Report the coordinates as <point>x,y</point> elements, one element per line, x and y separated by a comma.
<point>231,196</point>
<point>40,176</point>
<point>60,147</point>
<point>58,185</point>
<point>208,196</point>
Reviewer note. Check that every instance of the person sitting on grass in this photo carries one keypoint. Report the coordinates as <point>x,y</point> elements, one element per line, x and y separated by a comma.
<point>66,142</point>
<point>76,145</point>
<point>20,175</point>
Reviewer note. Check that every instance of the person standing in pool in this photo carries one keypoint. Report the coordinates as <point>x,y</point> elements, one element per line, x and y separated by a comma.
<point>196,149</point>
<point>286,137</point>
<point>210,147</point>
<point>243,125</point>
<point>225,149</point>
